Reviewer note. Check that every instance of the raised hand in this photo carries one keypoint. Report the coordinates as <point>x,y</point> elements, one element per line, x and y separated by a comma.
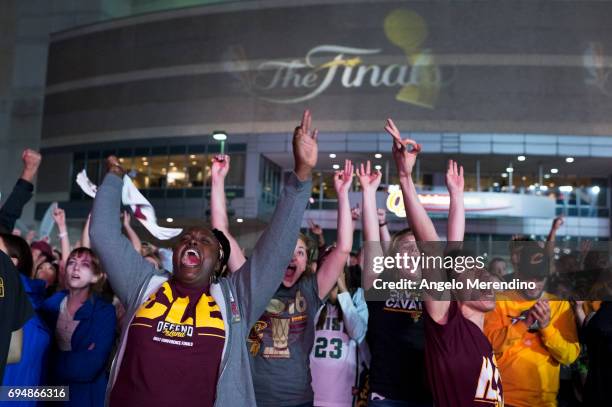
<point>314,228</point>
<point>558,222</point>
<point>31,161</point>
<point>112,165</point>
<point>404,159</point>
<point>126,219</point>
<point>305,148</point>
<point>220,167</point>
<point>454,178</point>
<point>344,178</point>
<point>59,216</point>
<point>369,180</point>
<point>30,236</point>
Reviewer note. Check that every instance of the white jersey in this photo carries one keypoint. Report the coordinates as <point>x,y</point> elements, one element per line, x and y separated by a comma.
<point>333,362</point>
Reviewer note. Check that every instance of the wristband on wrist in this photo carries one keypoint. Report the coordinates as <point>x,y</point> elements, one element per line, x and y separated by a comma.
<point>63,234</point>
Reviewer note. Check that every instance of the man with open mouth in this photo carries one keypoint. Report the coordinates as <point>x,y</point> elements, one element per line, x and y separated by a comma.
<point>183,339</point>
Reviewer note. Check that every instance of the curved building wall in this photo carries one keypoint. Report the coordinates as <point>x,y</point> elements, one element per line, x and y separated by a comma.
<point>251,67</point>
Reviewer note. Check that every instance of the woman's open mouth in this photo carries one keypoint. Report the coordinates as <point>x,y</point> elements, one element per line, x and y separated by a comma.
<point>191,258</point>
<point>290,271</point>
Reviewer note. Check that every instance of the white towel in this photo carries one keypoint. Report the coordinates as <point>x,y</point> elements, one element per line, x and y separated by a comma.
<point>141,207</point>
<point>86,185</point>
<point>144,212</point>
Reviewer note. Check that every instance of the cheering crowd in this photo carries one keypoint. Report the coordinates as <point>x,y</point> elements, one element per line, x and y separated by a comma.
<point>291,324</point>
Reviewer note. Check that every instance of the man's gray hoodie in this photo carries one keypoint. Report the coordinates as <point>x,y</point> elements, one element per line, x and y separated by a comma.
<point>242,296</point>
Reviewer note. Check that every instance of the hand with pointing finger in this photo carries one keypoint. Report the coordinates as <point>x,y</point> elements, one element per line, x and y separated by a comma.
<point>305,147</point>
<point>314,228</point>
<point>403,157</point>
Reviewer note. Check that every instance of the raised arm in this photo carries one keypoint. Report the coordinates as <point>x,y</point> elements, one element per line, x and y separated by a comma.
<point>385,236</point>
<point>556,225</point>
<point>30,236</point>
<point>318,232</point>
<point>369,184</point>
<point>131,233</point>
<point>218,209</point>
<point>259,278</point>
<point>126,269</point>
<point>550,239</point>
<point>334,262</point>
<point>59,216</point>
<point>22,192</point>
<point>85,241</point>
<point>456,210</point>
<point>416,214</point>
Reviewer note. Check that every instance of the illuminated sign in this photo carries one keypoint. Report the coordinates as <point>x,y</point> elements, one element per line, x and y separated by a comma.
<point>419,78</point>
<point>477,203</point>
<point>251,68</point>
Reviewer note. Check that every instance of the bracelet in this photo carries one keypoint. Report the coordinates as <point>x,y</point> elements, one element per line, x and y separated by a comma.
<point>380,225</point>
<point>61,235</point>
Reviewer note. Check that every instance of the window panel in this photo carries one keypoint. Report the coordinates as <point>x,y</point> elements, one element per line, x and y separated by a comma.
<point>176,175</point>
<point>156,169</point>
<point>156,172</point>
<point>235,176</point>
<point>196,170</point>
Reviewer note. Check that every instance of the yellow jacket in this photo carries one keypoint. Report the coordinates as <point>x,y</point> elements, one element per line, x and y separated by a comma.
<point>529,363</point>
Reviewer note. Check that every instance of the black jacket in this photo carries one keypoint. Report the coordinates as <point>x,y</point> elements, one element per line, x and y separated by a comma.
<point>12,208</point>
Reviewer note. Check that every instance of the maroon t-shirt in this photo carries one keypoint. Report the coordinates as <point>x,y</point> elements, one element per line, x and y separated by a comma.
<point>461,367</point>
<point>173,352</point>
